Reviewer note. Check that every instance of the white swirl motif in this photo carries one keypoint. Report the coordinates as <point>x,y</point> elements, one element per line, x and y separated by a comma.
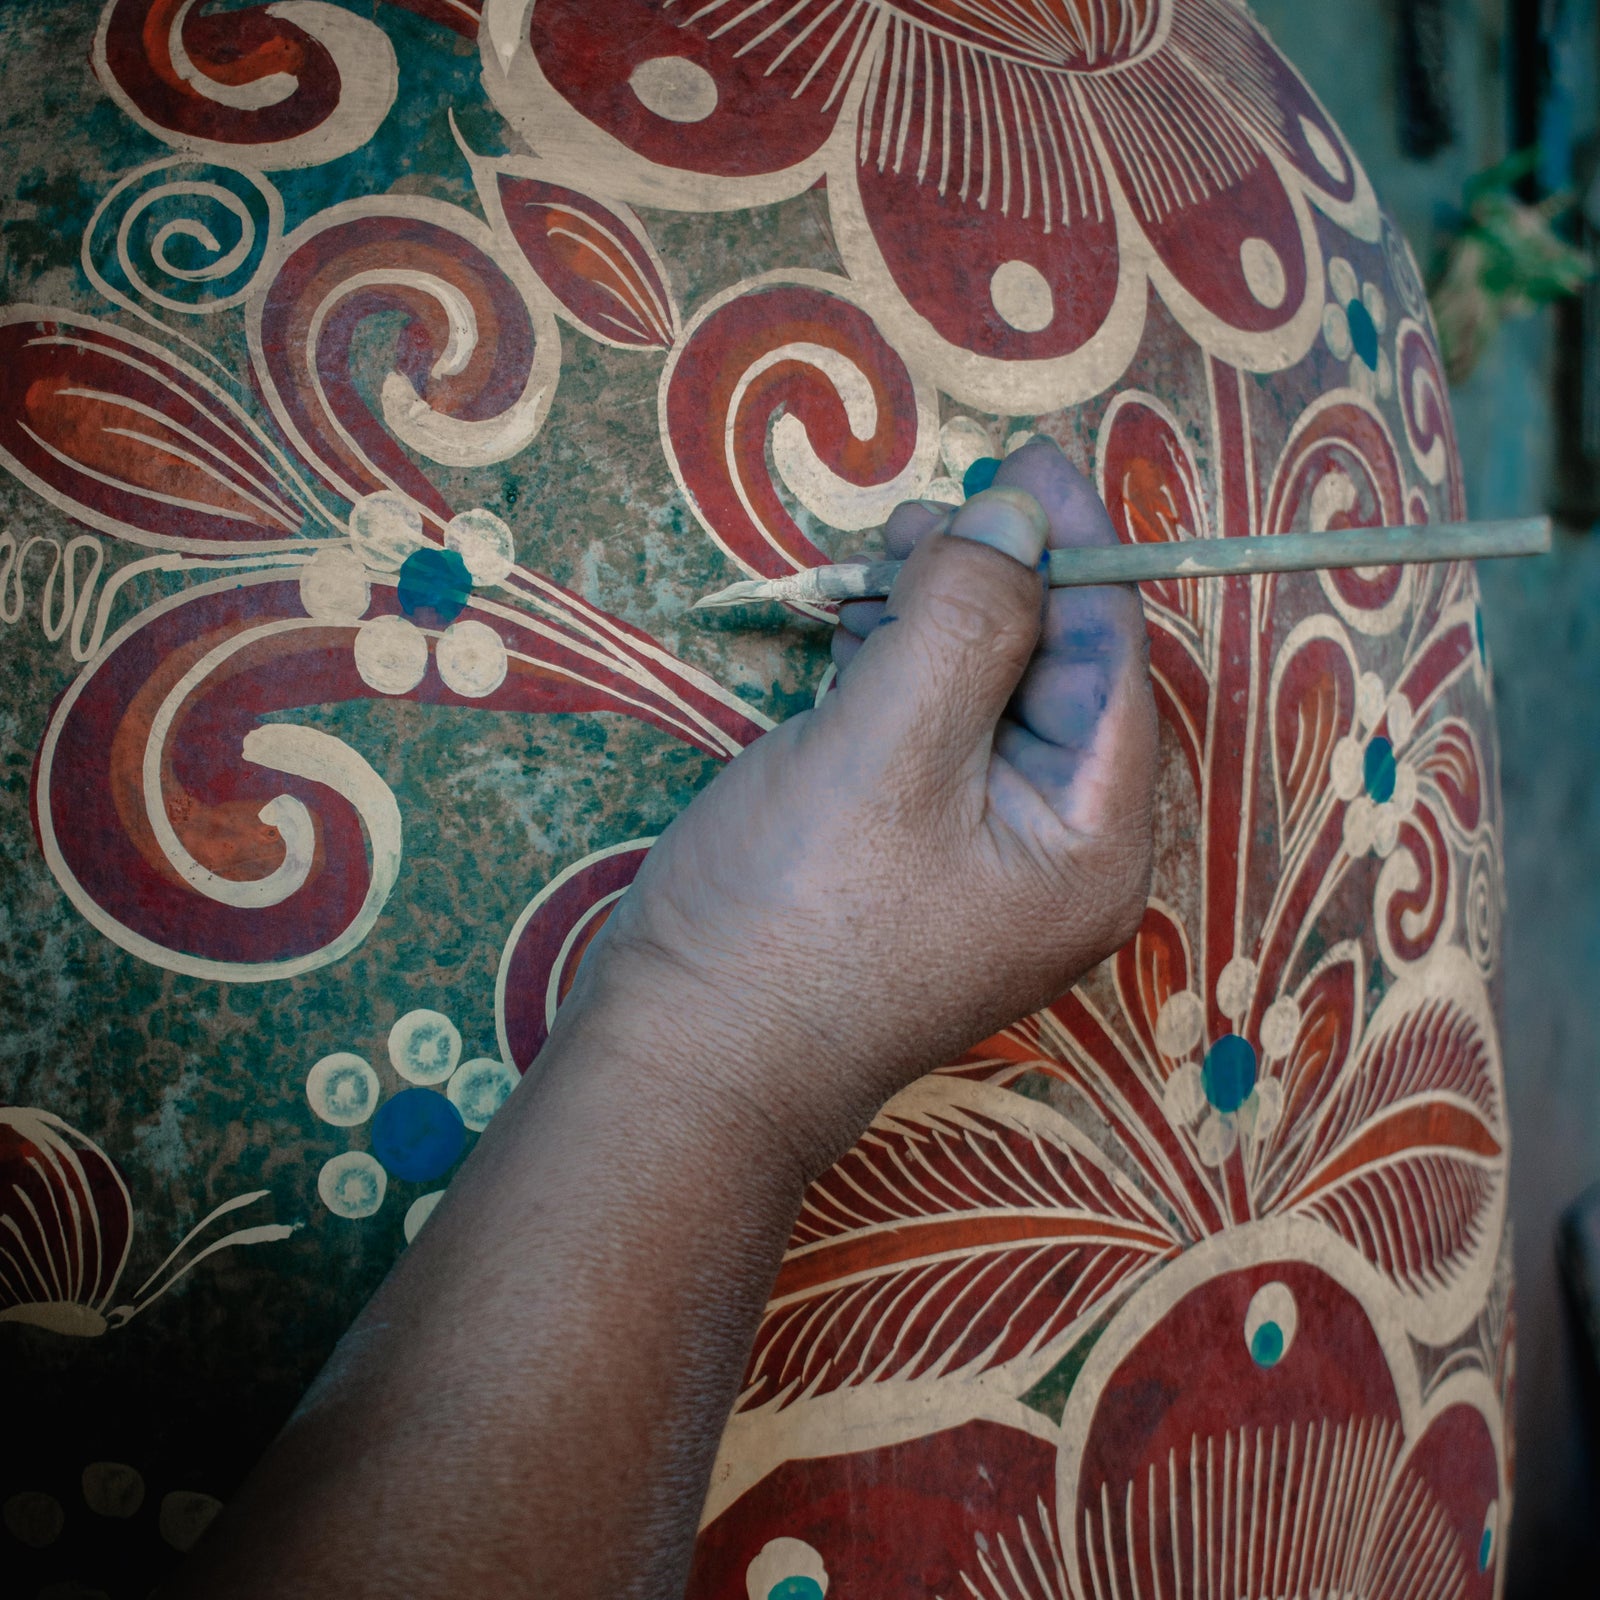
<point>433,433</point>
<point>183,235</point>
<point>67,600</point>
<point>1483,907</point>
<point>281,747</point>
<point>362,55</point>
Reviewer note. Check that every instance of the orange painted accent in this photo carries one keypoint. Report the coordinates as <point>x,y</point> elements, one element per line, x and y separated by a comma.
<point>79,426</point>
<point>1412,1128</point>
<point>1323,1041</point>
<point>228,838</point>
<point>916,1241</point>
<point>284,52</point>
<point>1005,1046</point>
<point>156,32</point>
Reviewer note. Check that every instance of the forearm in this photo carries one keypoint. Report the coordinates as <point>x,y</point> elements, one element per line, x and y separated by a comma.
<point>535,1395</point>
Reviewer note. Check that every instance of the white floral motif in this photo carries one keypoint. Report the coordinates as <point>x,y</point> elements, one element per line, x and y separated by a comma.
<point>1217,1128</point>
<point>1377,784</point>
<point>1353,324</point>
<point>963,443</point>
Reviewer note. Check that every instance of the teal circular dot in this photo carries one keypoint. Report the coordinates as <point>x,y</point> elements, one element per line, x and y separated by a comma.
<point>795,1589</point>
<point>1379,770</point>
<point>1485,1549</point>
<point>1229,1073</point>
<point>980,475</point>
<point>434,585</point>
<point>418,1135</point>
<point>1266,1348</point>
<point>1363,333</point>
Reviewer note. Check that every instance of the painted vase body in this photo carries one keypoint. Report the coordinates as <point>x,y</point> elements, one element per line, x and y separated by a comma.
<point>399,383</point>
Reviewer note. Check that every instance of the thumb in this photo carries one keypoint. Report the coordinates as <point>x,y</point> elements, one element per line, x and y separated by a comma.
<point>955,637</point>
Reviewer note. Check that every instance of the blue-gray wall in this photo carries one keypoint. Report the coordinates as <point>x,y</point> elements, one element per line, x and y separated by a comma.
<point>1544,632</point>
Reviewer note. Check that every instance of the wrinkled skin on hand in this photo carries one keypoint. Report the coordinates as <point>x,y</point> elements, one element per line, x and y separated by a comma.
<point>947,842</point>
<point>532,1401</point>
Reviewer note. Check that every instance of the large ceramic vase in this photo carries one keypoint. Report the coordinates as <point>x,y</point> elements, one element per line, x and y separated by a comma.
<point>378,386</point>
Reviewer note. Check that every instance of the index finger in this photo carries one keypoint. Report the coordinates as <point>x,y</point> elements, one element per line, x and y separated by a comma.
<point>1092,649</point>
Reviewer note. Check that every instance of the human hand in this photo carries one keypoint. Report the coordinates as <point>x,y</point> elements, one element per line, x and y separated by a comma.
<point>947,842</point>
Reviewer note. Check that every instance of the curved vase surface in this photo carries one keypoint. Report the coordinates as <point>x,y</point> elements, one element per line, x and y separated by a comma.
<point>378,386</point>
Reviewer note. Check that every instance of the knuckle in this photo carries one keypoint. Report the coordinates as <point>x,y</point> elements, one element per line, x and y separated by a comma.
<point>960,620</point>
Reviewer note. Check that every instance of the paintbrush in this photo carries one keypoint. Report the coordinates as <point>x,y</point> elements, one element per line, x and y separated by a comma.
<point>1182,558</point>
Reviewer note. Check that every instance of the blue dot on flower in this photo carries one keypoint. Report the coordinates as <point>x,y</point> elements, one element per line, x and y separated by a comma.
<point>1266,1347</point>
<point>1363,333</point>
<point>418,1135</point>
<point>796,1589</point>
<point>434,585</point>
<point>980,475</point>
<point>1379,770</point>
<point>1229,1073</point>
<point>1485,1549</point>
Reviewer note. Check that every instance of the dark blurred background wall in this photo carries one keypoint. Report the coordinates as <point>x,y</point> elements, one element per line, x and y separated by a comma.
<point>1431,92</point>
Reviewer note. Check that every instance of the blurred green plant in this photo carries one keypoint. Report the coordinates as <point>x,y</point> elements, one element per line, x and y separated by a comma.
<point>1504,258</point>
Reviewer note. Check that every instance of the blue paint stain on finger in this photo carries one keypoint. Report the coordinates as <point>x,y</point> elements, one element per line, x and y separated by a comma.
<point>435,586</point>
<point>418,1135</point>
<point>980,475</point>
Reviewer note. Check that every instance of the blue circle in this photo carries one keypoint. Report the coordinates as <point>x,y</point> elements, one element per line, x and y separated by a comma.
<point>979,476</point>
<point>1229,1073</point>
<point>1363,333</point>
<point>795,1589</point>
<point>1485,1549</point>
<point>1379,770</point>
<point>1266,1348</point>
<point>437,582</point>
<point>418,1135</point>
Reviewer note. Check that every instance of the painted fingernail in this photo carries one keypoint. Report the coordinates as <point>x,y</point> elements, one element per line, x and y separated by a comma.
<point>1008,520</point>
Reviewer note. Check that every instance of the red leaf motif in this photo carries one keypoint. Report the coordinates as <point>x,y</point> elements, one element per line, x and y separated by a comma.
<point>596,260</point>
<point>117,433</point>
<point>1003,1057</point>
<point>65,1224</point>
<point>968,1228</point>
<point>1151,486</point>
<point>1407,1159</point>
<point>1152,967</point>
<point>1452,764</point>
<point>1313,707</point>
<point>1330,1017</point>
